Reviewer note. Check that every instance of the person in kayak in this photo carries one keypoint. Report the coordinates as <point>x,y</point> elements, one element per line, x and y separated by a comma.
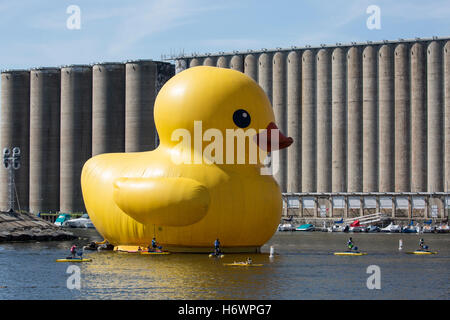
<point>217,247</point>
<point>422,245</point>
<point>154,246</point>
<point>73,251</point>
<point>350,244</point>
<point>249,260</point>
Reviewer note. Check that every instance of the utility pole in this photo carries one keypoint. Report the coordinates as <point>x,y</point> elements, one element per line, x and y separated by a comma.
<point>11,162</point>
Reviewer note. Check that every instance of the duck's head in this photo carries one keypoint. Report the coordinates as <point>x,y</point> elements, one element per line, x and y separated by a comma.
<point>218,100</point>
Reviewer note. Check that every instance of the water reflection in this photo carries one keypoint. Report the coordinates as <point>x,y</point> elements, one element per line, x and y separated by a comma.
<point>303,268</point>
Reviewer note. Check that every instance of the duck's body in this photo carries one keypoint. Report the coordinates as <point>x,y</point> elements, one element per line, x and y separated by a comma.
<point>133,197</point>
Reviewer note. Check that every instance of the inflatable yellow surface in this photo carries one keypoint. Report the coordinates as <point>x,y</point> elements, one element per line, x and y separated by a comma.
<point>199,184</point>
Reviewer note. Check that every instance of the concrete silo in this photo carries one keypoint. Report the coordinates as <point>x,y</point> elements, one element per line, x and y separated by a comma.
<point>45,113</point>
<point>108,108</point>
<point>76,133</point>
<point>294,122</point>
<point>15,132</point>
<point>339,121</point>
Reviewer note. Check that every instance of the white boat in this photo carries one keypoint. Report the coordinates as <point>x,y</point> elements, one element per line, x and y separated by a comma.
<point>443,228</point>
<point>286,227</point>
<point>392,228</point>
<point>428,229</point>
<point>339,228</point>
<point>305,227</point>
<point>83,222</point>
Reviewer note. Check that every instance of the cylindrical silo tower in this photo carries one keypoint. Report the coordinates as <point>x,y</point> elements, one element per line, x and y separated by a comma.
<point>210,61</point>
<point>251,66</point>
<point>323,67</point>
<point>108,108</point>
<point>447,114</point>
<point>435,117</point>
<point>15,132</point>
<point>265,73</point>
<point>418,119</point>
<point>140,95</point>
<point>222,62</point>
<point>76,133</point>
<point>280,111</point>
<point>386,119</point>
<point>354,120</point>
<point>308,122</point>
<point>180,65</point>
<point>45,113</point>
<point>195,62</point>
<point>237,63</point>
<point>402,119</point>
<point>294,122</point>
<point>339,121</point>
<point>370,120</point>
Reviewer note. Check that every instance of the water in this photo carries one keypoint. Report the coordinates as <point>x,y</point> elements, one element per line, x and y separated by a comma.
<point>303,268</point>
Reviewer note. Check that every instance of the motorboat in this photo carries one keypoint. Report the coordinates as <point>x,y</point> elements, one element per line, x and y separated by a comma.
<point>305,227</point>
<point>338,226</point>
<point>410,228</point>
<point>373,229</point>
<point>443,228</point>
<point>428,229</point>
<point>62,218</point>
<point>355,226</point>
<point>82,222</point>
<point>393,228</point>
<point>286,227</point>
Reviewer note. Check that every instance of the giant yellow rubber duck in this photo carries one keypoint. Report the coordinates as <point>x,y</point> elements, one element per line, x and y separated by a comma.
<point>190,191</point>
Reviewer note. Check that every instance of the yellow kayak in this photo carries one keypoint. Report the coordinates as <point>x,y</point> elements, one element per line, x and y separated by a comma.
<point>213,255</point>
<point>151,253</point>
<point>422,252</point>
<point>243,264</point>
<point>73,260</point>
<point>350,253</point>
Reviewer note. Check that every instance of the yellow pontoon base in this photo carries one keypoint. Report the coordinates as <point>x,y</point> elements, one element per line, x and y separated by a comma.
<point>350,253</point>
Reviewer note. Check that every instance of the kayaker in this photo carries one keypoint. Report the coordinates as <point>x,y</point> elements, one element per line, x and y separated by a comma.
<point>155,246</point>
<point>422,245</point>
<point>249,260</point>
<point>350,244</point>
<point>73,251</point>
<point>217,247</point>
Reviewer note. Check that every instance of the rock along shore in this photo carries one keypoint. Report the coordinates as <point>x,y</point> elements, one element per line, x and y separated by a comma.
<point>27,227</point>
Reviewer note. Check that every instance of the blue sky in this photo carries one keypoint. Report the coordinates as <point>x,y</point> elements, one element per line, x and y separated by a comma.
<point>34,33</point>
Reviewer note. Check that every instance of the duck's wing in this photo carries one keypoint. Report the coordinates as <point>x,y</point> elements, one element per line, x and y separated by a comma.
<point>162,201</point>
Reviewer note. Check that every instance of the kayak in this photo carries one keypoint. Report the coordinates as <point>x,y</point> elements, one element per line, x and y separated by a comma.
<point>163,252</point>
<point>243,264</point>
<point>350,253</point>
<point>73,260</point>
<point>422,252</point>
<point>213,255</point>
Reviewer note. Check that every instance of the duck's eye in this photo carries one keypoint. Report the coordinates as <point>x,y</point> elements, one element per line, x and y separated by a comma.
<point>241,118</point>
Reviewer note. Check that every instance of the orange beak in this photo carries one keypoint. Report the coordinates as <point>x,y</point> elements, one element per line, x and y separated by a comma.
<point>283,141</point>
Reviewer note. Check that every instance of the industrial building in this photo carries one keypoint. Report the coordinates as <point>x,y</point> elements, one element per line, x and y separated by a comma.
<point>370,122</point>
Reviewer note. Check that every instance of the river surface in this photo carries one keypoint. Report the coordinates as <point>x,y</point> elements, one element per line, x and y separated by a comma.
<point>303,268</point>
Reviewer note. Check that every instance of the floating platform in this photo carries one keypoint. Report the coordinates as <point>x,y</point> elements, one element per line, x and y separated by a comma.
<point>155,253</point>
<point>243,264</point>
<point>422,252</point>
<point>350,253</point>
<point>73,260</point>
